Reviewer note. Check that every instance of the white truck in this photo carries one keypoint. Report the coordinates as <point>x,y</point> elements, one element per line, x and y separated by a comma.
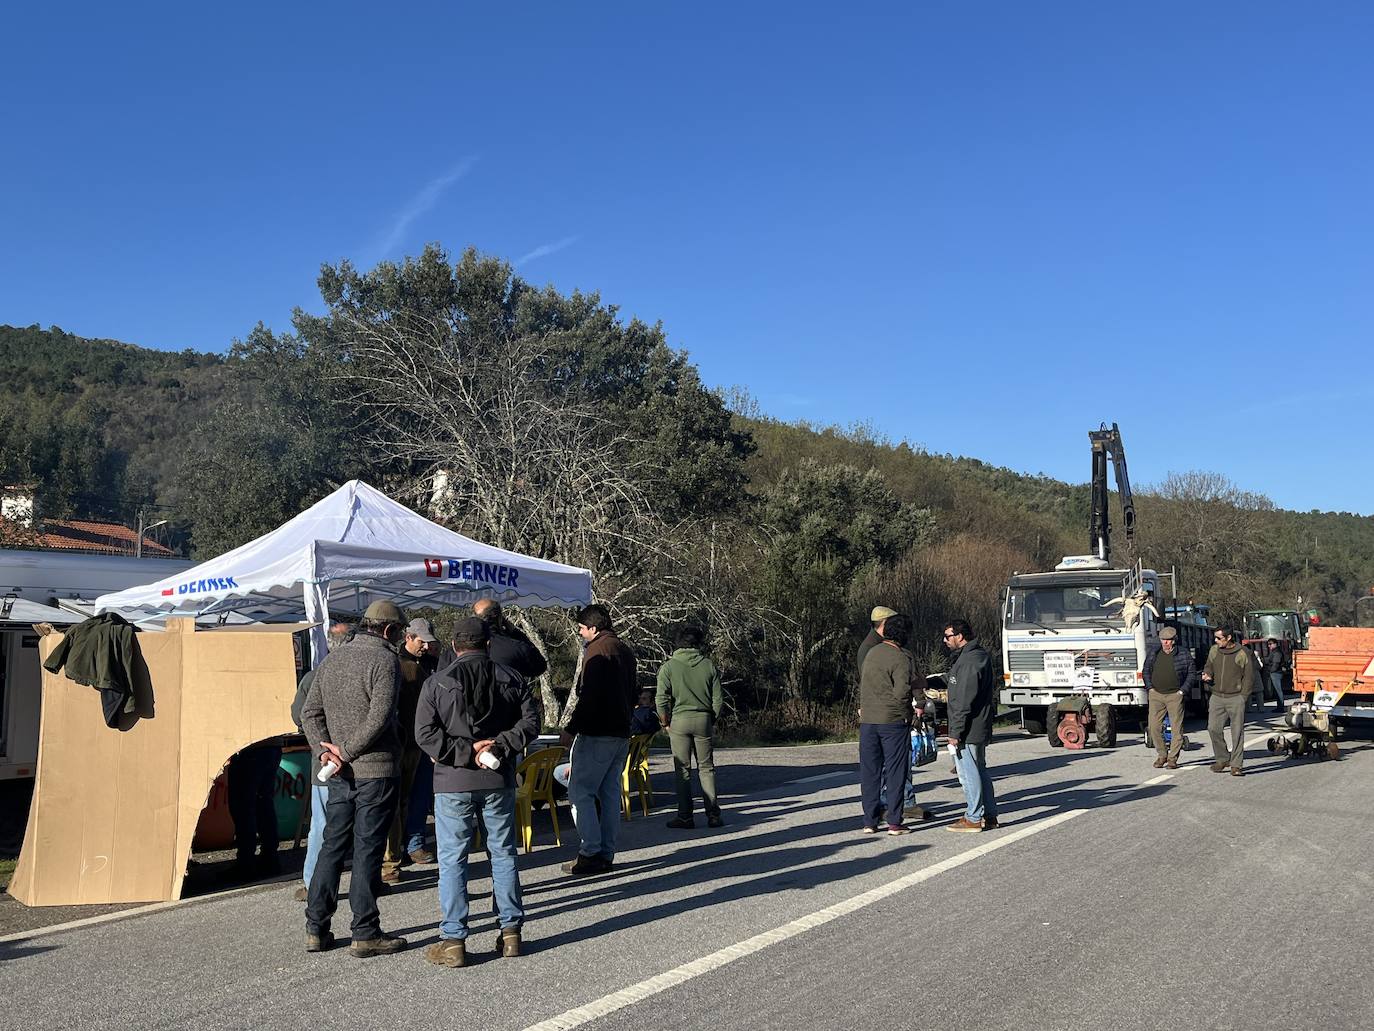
<point>1061,640</point>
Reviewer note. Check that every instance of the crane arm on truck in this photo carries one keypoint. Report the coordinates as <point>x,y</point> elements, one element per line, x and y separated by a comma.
<point>1107,442</point>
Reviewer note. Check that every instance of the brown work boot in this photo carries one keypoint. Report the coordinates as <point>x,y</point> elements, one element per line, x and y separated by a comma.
<point>508,942</point>
<point>392,876</point>
<point>447,952</point>
<point>1236,771</point>
<point>382,945</point>
<point>1218,767</point>
<point>965,826</point>
<point>422,857</point>
<point>322,942</point>
<point>302,894</point>
<point>1172,764</point>
<point>1159,762</point>
<point>916,812</point>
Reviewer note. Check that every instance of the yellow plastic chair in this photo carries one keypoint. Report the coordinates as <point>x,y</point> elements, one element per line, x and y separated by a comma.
<point>534,782</point>
<point>636,776</point>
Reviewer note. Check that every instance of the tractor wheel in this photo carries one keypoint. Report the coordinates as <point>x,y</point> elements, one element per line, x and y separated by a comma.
<point>1052,727</point>
<point>1105,718</point>
<point>1033,719</point>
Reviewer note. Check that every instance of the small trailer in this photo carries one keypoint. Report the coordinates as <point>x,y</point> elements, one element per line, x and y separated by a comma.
<point>1334,678</point>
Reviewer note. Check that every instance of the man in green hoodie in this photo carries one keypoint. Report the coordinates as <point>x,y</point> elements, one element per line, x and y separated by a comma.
<point>689,702</point>
<point>1229,672</point>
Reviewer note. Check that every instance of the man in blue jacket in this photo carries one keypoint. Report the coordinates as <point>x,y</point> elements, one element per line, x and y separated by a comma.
<point>1169,676</point>
<point>972,705</point>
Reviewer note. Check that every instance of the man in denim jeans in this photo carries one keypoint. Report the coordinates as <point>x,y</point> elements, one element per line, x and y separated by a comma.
<point>475,719</point>
<point>597,727</point>
<point>972,705</point>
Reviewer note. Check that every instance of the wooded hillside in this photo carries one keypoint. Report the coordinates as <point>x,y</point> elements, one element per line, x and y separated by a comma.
<point>559,429</point>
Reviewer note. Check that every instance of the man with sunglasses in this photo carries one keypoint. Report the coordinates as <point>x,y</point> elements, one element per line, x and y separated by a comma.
<point>972,705</point>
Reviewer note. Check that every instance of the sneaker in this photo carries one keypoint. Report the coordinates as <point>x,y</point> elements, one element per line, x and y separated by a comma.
<point>382,945</point>
<point>965,826</point>
<point>322,942</point>
<point>1159,763</point>
<point>584,866</point>
<point>990,824</point>
<point>422,857</point>
<point>714,821</point>
<point>865,829</point>
<point>301,894</point>
<point>508,942</point>
<point>681,823</point>
<point>895,830</point>
<point>447,952</point>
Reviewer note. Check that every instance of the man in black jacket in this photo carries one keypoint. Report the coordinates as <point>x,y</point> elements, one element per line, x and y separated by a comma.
<point>509,647</point>
<point>474,719</point>
<point>972,705</point>
<point>1169,675</point>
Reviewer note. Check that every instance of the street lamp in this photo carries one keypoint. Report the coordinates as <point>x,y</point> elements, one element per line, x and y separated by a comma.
<point>138,544</point>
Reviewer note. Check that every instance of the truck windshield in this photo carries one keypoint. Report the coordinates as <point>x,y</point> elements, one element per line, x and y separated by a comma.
<point>1281,625</point>
<point>1063,606</point>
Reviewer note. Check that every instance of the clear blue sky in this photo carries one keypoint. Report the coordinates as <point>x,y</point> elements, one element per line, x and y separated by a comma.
<point>984,228</point>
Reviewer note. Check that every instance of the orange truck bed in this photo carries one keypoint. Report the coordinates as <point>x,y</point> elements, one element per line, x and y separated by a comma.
<point>1337,658</point>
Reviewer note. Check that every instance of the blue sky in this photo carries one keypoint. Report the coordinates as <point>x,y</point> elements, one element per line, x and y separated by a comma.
<point>984,228</point>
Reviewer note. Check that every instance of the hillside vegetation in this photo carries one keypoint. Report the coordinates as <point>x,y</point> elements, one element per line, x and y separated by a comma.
<point>564,431</point>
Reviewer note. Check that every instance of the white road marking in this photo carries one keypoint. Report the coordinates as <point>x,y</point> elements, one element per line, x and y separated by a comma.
<point>653,986</point>
<point>822,776</point>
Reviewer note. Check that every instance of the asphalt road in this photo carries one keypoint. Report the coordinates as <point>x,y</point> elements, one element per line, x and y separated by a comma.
<point>1115,895</point>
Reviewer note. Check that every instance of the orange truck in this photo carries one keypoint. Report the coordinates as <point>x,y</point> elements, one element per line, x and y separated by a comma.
<point>1334,678</point>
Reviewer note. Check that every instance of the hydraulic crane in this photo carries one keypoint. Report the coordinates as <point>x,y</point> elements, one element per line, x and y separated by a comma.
<point>1108,442</point>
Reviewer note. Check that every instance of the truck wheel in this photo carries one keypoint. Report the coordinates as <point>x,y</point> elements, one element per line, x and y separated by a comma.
<point>1105,718</point>
<point>1052,727</point>
<point>1033,719</point>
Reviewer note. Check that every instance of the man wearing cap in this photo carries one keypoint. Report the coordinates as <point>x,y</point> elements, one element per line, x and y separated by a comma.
<point>1169,675</point>
<point>877,617</point>
<point>349,716</point>
<point>475,719</point>
<point>416,666</point>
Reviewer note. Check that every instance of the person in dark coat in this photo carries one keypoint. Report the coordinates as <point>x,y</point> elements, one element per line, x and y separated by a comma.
<point>1169,676</point>
<point>509,647</point>
<point>972,705</point>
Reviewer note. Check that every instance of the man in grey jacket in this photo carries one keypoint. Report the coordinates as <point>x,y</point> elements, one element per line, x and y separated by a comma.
<point>349,717</point>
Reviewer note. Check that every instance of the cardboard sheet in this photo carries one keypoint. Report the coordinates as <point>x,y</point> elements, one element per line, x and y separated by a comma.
<point>114,810</point>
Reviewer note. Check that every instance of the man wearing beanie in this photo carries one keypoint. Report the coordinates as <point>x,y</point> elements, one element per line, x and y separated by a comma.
<point>349,717</point>
<point>1169,674</point>
<point>474,719</point>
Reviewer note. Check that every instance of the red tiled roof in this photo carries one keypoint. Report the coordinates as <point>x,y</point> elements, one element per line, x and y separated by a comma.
<point>99,538</point>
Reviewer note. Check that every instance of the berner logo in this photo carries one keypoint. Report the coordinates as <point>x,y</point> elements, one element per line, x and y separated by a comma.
<point>214,583</point>
<point>472,571</point>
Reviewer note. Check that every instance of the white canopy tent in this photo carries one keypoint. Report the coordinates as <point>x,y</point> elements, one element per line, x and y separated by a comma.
<point>348,549</point>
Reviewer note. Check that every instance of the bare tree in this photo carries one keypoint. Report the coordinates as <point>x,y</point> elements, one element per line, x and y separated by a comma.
<point>500,451</point>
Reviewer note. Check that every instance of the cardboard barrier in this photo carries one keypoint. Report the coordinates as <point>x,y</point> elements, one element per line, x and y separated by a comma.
<point>114,810</point>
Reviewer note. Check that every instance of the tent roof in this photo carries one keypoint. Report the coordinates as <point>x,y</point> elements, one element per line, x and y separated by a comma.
<point>21,610</point>
<point>357,545</point>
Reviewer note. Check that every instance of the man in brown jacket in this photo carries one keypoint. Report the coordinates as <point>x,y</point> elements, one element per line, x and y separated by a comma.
<point>597,730</point>
<point>1229,672</point>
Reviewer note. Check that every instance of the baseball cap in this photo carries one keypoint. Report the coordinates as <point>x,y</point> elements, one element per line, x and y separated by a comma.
<point>384,612</point>
<point>422,629</point>
<point>880,612</point>
<point>1168,634</point>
